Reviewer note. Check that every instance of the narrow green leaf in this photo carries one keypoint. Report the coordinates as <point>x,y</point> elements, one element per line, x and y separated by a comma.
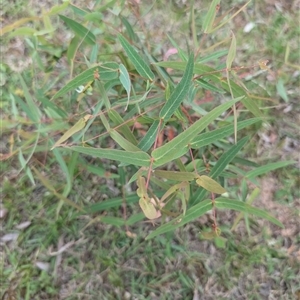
<point>179,92</point>
<point>181,53</point>
<point>200,69</point>
<point>24,166</point>
<point>81,79</point>
<point>51,188</point>
<point>105,71</point>
<point>174,189</point>
<point>122,142</point>
<point>281,90</point>
<point>238,91</point>
<point>112,221</point>
<point>134,218</point>
<point>125,80</point>
<point>269,167</point>
<point>130,32</point>
<point>212,56</point>
<point>22,31</point>
<point>227,157</point>
<point>230,17</point>
<point>75,128</point>
<point>204,84</point>
<point>122,126</point>
<point>245,208</point>
<point>135,158</point>
<point>210,17</point>
<point>108,71</point>
<point>110,203</point>
<point>179,144</point>
<point>72,49</point>
<point>231,52</point>
<point>219,167</point>
<point>149,138</point>
<point>80,30</point>
<point>210,185</point>
<point>210,137</point>
<point>24,107</point>
<point>35,113</point>
<point>175,175</point>
<point>249,201</point>
<point>142,68</point>
<point>58,8</point>
<point>195,212</point>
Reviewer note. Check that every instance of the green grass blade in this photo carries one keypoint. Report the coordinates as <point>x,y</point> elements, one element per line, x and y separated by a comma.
<point>179,92</point>
<point>245,208</point>
<point>179,144</point>
<point>136,158</point>
<point>267,168</point>
<point>34,110</point>
<point>80,30</point>
<point>61,161</point>
<point>142,68</point>
<point>111,203</point>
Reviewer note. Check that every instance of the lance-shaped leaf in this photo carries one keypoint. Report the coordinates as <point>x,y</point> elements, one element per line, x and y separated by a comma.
<point>80,30</point>
<point>107,71</point>
<point>75,128</point>
<point>124,143</point>
<point>135,158</point>
<point>179,92</point>
<point>245,208</point>
<point>125,80</point>
<point>122,126</point>
<point>210,185</point>
<point>210,16</point>
<point>269,167</point>
<point>191,214</point>
<point>231,52</point>
<point>142,68</point>
<point>149,138</point>
<point>174,189</point>
<point>221,164</point>
<point>210,137</point>
<point>175,175</point>
<point>179,145</point>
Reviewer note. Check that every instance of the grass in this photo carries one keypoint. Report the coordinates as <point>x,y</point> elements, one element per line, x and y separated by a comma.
<point>49,251</point>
